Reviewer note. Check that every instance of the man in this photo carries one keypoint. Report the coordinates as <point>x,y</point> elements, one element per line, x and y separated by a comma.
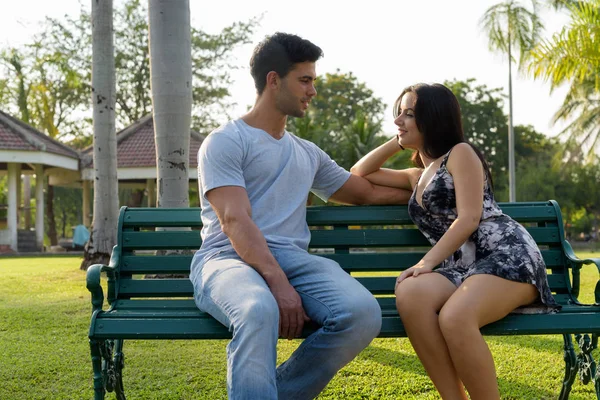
<point>253,272</point>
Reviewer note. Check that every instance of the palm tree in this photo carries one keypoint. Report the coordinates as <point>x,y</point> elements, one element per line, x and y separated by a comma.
<point>363,135</point>
<point>106,200</point>
<point>170,45</point>
<point>511,26</point>
<point>581,108</point>
<point>171,85</point>
<point>573,55</point>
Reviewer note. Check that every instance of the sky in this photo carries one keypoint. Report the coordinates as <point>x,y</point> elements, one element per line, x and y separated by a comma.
<point>388,45</point>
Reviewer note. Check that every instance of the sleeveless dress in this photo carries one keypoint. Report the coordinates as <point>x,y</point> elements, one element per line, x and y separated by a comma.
<point>500,246</point>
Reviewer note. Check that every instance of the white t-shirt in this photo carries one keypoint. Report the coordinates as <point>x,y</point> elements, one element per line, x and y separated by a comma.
<point>277,175</point>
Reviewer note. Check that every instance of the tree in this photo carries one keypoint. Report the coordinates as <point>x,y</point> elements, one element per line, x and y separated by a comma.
<point>574,52</point>
<point>63,49</point>
<point>106,200</point>
<point>344,118</point>
<point>573,55</point>
<point>4,93</point>
<point>511,26</point>
<point>483,123</point>
<point>171,77</point>
<point>211,63</point>
<point>363,135</point>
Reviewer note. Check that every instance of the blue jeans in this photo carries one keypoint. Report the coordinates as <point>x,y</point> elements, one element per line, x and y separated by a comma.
<point>237,296</point>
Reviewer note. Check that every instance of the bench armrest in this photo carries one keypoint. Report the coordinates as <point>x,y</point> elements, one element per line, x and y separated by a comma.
<point>93,280</point>
<point>578,263</point>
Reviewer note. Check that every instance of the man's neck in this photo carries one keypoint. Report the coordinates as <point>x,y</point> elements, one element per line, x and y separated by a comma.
<point>266,117</point>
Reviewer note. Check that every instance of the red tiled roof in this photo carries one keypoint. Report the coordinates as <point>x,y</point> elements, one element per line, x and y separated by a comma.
<point>9,140</point>
<point>17,135</point>
<point>136,147</point>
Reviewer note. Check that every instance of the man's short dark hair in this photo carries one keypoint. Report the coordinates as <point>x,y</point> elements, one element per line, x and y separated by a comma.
<point>279,53</point>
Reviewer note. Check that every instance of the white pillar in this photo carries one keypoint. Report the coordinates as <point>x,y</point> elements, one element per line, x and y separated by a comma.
<point>19,196</point>
<point>27,201</point>
<point>39,206</point>
<point>86,203</point>
<point>12,205</point>
<point>151,189</point>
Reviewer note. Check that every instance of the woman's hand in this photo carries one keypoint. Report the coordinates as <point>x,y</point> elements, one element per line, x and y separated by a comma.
<point>422,267</point>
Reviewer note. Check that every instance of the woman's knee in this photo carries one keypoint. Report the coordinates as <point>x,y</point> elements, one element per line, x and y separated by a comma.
<point>456,323</point>
<point>411,297</point>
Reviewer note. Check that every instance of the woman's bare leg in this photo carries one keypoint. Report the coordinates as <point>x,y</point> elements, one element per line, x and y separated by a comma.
<point>480,300</point>
<point>418,301</point>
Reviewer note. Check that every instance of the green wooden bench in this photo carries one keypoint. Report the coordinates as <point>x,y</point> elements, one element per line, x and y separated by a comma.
<point>372,242</point>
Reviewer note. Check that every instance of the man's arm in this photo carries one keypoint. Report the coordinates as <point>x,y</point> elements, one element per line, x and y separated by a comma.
<point>358,190</point>
<point>232,206</point>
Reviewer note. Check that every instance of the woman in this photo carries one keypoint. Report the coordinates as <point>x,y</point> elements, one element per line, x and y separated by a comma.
<point>489,264</point>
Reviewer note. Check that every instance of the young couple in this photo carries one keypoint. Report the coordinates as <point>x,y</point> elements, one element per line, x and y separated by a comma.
<point>253,272</point>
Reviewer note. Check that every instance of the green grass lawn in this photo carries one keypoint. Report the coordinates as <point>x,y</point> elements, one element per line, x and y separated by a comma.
<point>44,353</point>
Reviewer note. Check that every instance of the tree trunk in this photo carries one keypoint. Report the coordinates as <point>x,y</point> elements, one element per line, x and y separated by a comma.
<point>171,85</point>
<point>512,189</point>
<point>106,201</point>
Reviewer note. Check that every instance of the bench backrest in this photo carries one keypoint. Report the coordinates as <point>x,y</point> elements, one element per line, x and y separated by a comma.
<point>373,243</point>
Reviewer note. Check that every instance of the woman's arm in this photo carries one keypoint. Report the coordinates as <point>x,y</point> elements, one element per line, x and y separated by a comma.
<point>468,175</point>
<point>369,167</point>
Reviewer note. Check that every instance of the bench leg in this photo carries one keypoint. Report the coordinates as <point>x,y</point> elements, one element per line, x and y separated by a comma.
<point>99,390</point>
<point>119,363</point>
<point>570,367</point>
<point>107,368</point>
<point>588,370</point>
<point>112,365</point>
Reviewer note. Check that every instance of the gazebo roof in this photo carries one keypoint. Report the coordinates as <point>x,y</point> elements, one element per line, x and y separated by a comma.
<point>136,147</point>
<point>17,135</point>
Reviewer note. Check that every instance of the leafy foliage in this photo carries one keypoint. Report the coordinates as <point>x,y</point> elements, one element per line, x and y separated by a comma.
<point>56,72</point>
<point>573,56</point>
<point>512,26</point>
<point>344,119</point>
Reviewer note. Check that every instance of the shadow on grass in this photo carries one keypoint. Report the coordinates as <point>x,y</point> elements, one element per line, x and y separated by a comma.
<point>410,363</point>
<point>393,358</point>
<point>511,390</point>
<point>552,343</point>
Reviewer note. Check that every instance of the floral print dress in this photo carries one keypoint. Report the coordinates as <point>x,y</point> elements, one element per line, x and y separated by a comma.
<point>500,246</point>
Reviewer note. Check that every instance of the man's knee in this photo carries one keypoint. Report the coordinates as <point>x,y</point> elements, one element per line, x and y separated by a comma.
<point>363,315</point>
<point>258,313</point>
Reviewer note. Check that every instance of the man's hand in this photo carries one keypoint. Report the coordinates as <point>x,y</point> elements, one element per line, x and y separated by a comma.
<point>291,313</point>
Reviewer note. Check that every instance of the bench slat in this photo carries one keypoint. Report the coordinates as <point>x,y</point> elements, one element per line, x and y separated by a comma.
<point>183,287</point>
<point>403,237</point>
<point>166,240</point>
<point>144,240</point>
<point>186,308</point>
<point>155,288</point>
<point>208,328</point>
<point>180,264</point>
<point>373,215</point>
<point>322,215</point>
<point>164,217</point>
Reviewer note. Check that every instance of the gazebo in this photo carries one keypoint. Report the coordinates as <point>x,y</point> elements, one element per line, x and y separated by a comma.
<point>27,151</point>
